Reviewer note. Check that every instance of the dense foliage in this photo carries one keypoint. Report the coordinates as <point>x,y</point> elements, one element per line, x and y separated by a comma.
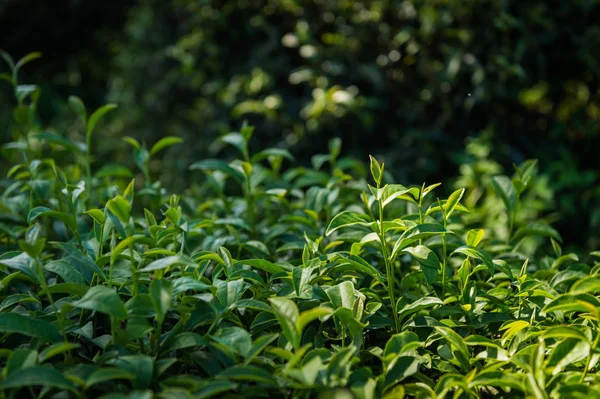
<point>267,279</point>
<point>406,81</point>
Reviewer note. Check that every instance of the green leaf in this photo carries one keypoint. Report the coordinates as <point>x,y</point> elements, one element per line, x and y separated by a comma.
<point>184,341</point>
<point>113,171</point>
<point>140,366</point>
<point>27,59</point>
<point>107,374</point>
<point>248,373</point>
<point>78,107</point>
<point>212,388</point>
<point>95,118</point>
<point>499,379</point>
<point>404,367</point>
<point>430,264</point>
<point>287,315</point>
<point>565,332</point>
<point>39,211</point>
<point>123,245</point>
<point>62,141</point>
<point>476,253</point>
<point>392,191</point>
<point>416,233</point>
<point>537,229</point>
<point>568,352</point>
<point>168,261</point>
<point>55,350</point>
<point>453,201</point>
<point>235,339</point>
<point>264,265</point>
<point>133,142</point>
<point>120,207</point>
<point>419,304</point>
<point>474,237</point>
<point>104,300</point>
<point>309,315</point>
<point>376,170</point>
<point>346,219</point>
<point>229,292</point>
<point>188,284</point>
<point>259,345</point>
<point>504,188</point>
<point>161,295</point>
<point>341,295</point>
<point>66,288</point>
<point>164,143</point>
<point>237,140</point>
<point>399,344</point>
<point>458,342</point>
<point>214,164</point>
<point>16,323</point>
<point>272,152</point>
<point>360,265</point>
<point>37,376</point>
<point>80,258</point>
<point>67,272</point>
<point>586,285</point>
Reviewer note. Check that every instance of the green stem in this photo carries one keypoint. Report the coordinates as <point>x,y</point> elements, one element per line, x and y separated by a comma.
<point>444,254</point>
<point>389,269</point>
<point>133,271</point>
<point>589,359</point>
<point>250,206</point>
<point>49,296</point>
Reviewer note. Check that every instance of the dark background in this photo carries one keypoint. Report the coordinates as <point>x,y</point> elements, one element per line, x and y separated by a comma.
<point>413,82</point>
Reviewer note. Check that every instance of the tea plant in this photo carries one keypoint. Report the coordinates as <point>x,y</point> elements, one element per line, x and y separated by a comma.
<point>268,279</point>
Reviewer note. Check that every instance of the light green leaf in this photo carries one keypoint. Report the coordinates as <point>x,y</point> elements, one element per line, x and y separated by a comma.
<point>214,164</point>
<point>404,367</point>
<point>537,229</point>
<point>183,341</point>
<point>474,237</point>
<point>376,170</point>
<point>229,292</point>
<point>78,107</point>
<point>140,366</point>
<point>161,295</point>
<point>309,315</point>
<point>37,376</point>
<point>95,118</point>
<point>453,201</point>
<point>235,339</point>
<point>346,219</point>
<point>120,207</point>
<point>476,253</point>
<point>430,264</point>
<point>164,143</point>
<point>416,233</point>
<point>55,350</point>
<point>104,300</point>
<point>248,373</point>
<point>287,315</point>
<point>107,374</point>
<point>504,188</point>
<point>168,261</point>
<point>16,323</point>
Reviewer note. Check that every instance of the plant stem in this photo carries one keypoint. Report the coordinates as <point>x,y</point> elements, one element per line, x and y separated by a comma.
<point>389,269</point>
<point>444,254</point>
<point>589,359</point>
<point>49,296</point>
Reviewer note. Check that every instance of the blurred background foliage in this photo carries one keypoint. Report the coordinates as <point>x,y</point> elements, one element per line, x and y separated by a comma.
<point>438,89</point>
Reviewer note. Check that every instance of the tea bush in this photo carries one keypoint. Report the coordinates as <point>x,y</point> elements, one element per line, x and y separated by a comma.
<point>267,279</point>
